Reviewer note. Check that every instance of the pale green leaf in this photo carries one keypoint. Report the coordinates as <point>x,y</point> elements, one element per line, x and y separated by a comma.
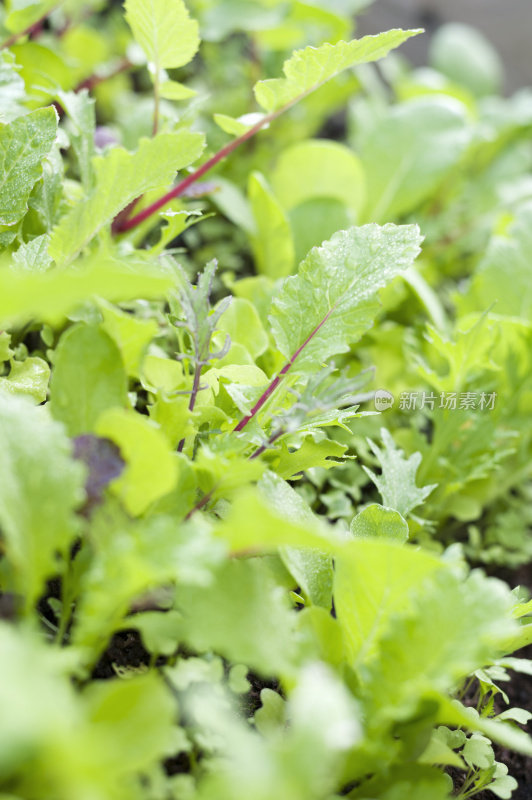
<point>52,295</point>
<point>131,334</point>
<point>172,90</point>
<point>272,242</point>
<point>397,484</point>
<point>331,302</point>
<point>409,152</point>
<point>40,489</point>
<point>319,168</point>
<point>164,30</point>
<point>29,378</point>
<point>377,521</point>
<point>23,145</point>
<point>33,256</point>
<point>12,90</point>
<point>467,58</point>
<point>88,378</point>
<point>373,582</point>
<point>308,69</point>
<point>151,470</point>
<point>82,117</point>
<point>452,625</point>
<point>26,13</point>
<point>120,178</point>
<point>242,323</point>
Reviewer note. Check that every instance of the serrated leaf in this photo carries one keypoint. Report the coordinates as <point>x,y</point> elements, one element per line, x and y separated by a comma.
<point>29,378</point>
<point>397,484</point>
<point>121,177</point>
<point>88,378</point>
<point>23,145</point>
<point>308,69</point>
<point>40,489</point>
<point>331,302</point>
<point>164,30</point>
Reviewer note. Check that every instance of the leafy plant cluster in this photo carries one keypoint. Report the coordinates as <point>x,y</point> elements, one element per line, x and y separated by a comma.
<point>223,574</point>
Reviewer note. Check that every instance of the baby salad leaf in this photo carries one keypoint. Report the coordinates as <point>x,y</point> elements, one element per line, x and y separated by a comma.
<point>12,88</point>
<point>23,145</point>
<point>164,30</point>
<point>121,177</point>
<point>308,69</point>
<point>397,484</point>
<point>331,302</point>
<point>52,295</point>
<point>88,377</point>
<point>40,489</point>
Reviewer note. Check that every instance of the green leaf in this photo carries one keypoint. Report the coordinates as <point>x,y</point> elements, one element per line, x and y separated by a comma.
<point>12,90</point>
<point>508,250</point>
<point>121,177</point>
<point>26,13</point>
<point>242,323</point>
<point>309,324</point>
<point>82,116</point>
<point>272,243</point>
<point>164,30</point>
<point>308,69</point>
<point>373,581</point>
<point>33,255</point>
<point>88,378</point>
<point>409,152</point>
<point>131,334</point>
<point>452,627</point>
<point>40,489</point>
<point>377,521</point>
<point>151,470</point>
<point>52,295</point>
<point>243,590</point>
<point>133,720</point>
<point>29,377</point>
<point>397,484</point>
<point>467,58</point>
<point>23,145</point>
<point>319,168</point>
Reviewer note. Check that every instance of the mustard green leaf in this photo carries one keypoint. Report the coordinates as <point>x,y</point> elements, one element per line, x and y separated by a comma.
<point>331,302</point>
<point>164,30</point>
<point>24,143</point>
<point>310,68</point>
<point>121,177</point>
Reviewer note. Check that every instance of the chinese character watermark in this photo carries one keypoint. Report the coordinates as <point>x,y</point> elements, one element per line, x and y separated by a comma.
<point>450,401</point>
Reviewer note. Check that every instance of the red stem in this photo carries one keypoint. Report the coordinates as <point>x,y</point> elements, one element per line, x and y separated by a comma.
<point>181,187</point>
<point>35,27</point>
<point>277,380</point>
<point>192,401</point>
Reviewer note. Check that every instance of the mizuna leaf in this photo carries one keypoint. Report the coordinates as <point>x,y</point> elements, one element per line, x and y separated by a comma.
<point>331,302</point>
<point>23,145</point>
<point>121,177</point>
<point>308,69</point>
<point>164,30</point>
<point>397,484</point>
